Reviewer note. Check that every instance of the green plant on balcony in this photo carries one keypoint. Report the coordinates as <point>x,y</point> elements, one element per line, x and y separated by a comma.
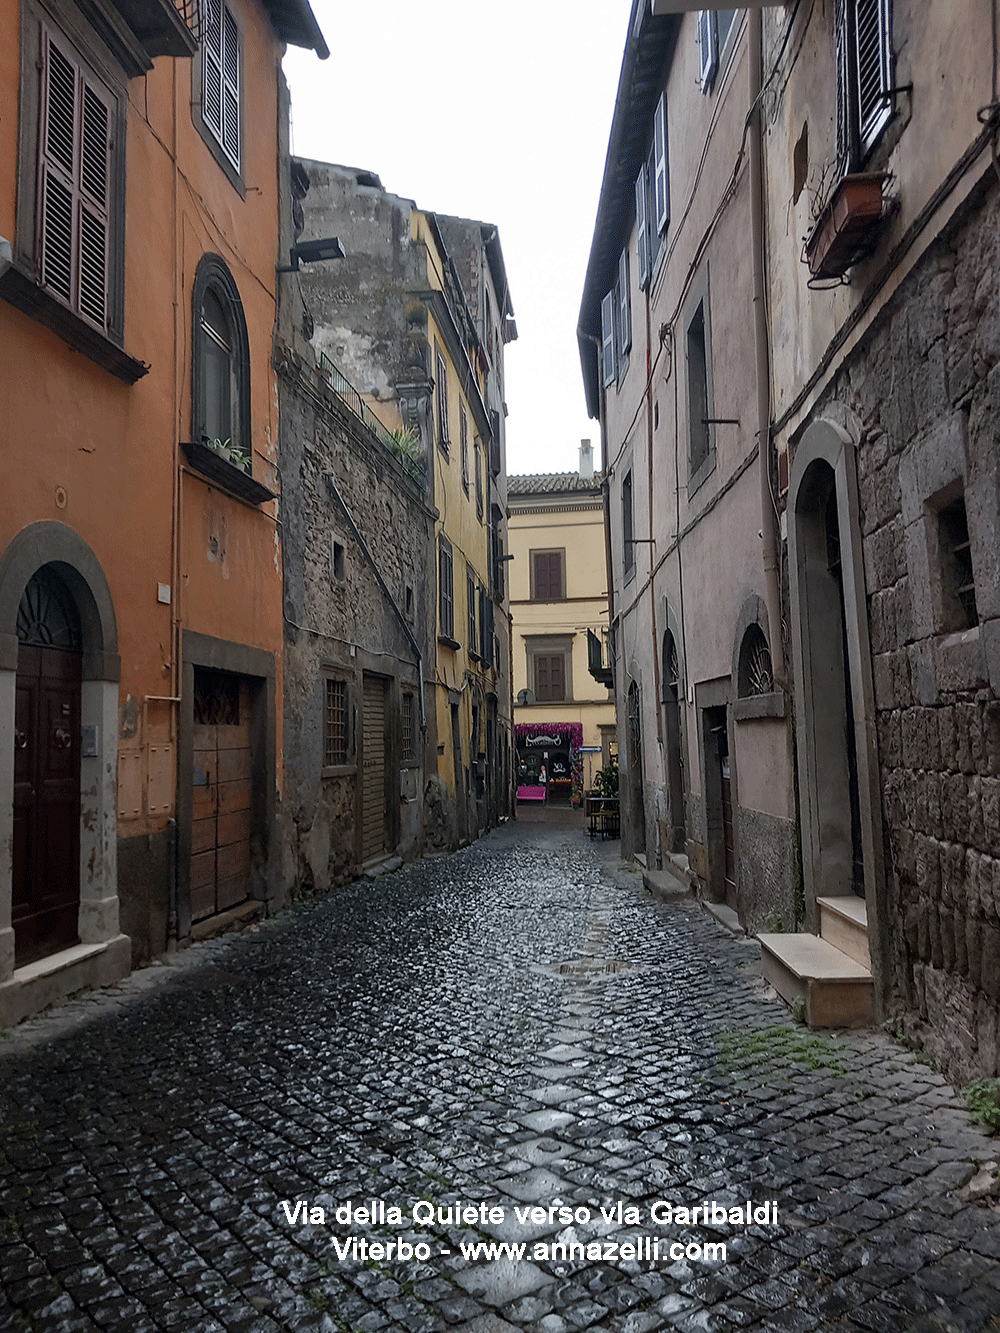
<point>606,781</point>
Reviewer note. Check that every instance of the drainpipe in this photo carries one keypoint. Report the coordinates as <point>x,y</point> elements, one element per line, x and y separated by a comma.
<point>768,517</point>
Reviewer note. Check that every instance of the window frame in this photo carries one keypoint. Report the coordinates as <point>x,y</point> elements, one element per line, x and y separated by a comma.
<point>441,400</point>
<point>477,451</point>
<point>22,285</point>
<point>699,301</point>
<point>858,134</point>
<point>533,554</point>
<point>233,170</point>
<point>213,274</point>
<point>446,592</point>
<point>332,675</point>
<point>548,646</point>
<point>661,166</point>
<point>470,610</point>
<point>463,421</point>
<point>628,526</point>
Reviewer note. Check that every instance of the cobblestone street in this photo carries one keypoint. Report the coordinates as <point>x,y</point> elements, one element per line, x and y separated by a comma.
<point>519,1024</point>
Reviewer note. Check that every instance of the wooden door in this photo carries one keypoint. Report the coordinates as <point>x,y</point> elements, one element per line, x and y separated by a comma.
<point>46,845</point>
<point>222,806</point>
<point>373,768</point>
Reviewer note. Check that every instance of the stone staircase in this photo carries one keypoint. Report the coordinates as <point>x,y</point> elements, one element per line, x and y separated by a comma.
<point>831,972</point>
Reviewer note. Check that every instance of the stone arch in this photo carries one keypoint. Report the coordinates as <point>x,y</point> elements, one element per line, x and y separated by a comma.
<point>103,953</point>
<point>837,756</point>
<point>751,629</point>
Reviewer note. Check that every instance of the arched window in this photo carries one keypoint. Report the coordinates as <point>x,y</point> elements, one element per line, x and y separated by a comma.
<point>755,675</point>
<point>220,389</point>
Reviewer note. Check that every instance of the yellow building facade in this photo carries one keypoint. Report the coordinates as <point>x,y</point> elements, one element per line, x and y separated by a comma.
<point>558,592</point>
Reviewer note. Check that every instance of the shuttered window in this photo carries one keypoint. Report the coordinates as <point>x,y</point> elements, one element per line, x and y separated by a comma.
<point>550,677</point>
<point>486,627</point>
<point>624,306</point>
<point>74,173</point>
<point>863,33</point>
<point>446,588</point>
<point>661,171</point>
<point>641,227</point>
<point>478,460</point>
<point>608,358</point>
<point>221,75</point>
<point>464,436</point>
<point>548,575</point>
<point>708,54</point>
<point>441,400</point>
<point>470,592</point>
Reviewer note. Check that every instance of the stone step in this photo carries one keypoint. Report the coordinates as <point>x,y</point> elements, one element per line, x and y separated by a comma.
<point>837,991</point>
<point>843,922</point>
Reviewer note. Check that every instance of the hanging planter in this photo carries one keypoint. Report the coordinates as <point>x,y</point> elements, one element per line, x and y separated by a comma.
<point>848,228</point>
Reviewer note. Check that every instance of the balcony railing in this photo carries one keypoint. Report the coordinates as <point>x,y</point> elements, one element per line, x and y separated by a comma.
<point>604,675</point>
<point>165,27</point>
<point>403,445</point>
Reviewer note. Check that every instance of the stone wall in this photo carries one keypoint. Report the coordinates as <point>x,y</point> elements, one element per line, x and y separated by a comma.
<point>923,396</point>
<point>340,622</point>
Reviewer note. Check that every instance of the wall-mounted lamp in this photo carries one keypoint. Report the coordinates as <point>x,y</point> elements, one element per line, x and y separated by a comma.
<point>311,252</point>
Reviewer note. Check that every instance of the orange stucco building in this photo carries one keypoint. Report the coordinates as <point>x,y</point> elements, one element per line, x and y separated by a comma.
<point>140,566</point>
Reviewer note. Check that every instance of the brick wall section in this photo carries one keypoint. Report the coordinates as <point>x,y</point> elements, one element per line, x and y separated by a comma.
<point>935,359</point>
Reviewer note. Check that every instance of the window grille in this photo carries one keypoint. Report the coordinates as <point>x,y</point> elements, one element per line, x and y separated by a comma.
<point>335,727</point>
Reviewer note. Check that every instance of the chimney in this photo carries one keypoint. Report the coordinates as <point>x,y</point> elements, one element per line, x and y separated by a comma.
<point>586,461</point>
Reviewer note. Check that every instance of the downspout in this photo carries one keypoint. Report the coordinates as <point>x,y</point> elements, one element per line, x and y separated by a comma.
<point>657,685</point>
<point>331,486</point>
<point>768,516</point>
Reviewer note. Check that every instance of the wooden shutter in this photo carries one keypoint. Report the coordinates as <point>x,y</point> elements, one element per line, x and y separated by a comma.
<point>464,427</point>
<point>550,677</point>
<point>446,589</point>
<point>661,175</point>
<point>485,626</point>
<point>707,47</point>
<point>624,305</point>
<point>548,570</point>
<point>75,183</point>
<point>642,234</point>
<point>442,402</point>
<point>220,103</point>
<point>470,589</point>
<point>608,338</point>
<point>873,69</point>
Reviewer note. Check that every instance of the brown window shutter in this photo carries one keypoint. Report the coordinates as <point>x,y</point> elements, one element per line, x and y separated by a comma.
<point>75,178</point>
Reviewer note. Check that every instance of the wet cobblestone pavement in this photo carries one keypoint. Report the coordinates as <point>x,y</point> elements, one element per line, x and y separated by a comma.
<point>517,1025</point>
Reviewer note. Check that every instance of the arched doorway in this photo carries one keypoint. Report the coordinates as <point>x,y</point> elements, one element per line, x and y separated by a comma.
<point>45,887</point>
<point>672,742</point>
<point>832,721</point>
<point>637,803</point>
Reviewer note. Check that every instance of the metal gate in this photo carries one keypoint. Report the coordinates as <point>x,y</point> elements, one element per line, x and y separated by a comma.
<point>373,768</point>
<point>221,814</point>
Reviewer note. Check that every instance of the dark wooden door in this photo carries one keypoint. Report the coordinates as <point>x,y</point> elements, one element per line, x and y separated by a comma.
<point>222,817</point>
<point>46,846</point>
<point>373,769</point>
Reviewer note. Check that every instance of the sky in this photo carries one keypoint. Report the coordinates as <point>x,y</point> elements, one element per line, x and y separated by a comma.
<point>495,112</point>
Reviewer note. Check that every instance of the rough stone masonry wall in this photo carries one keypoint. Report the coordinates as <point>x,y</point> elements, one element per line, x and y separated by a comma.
<point>926,384</point>
<point>324,617</point>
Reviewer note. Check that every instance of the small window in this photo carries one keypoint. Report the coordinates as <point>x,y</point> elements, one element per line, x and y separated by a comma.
<point>470,590</point>
<point>464,437</point>
<point>446,588</point>
<point>406,728</point>
<point>958,584</point>
<point>642,228</point>
<point>441,400</point>
<point>755,675</point>
<point>699,425</point>
<point>548,575</point>
<point>864,77</point>
<point>408,601</point>
<point>627,521</point>
<point>335,724</point>
<point>337,560</point>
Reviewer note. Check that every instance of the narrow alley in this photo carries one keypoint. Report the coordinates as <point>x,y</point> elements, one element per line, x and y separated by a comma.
<point>517,1026</point>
